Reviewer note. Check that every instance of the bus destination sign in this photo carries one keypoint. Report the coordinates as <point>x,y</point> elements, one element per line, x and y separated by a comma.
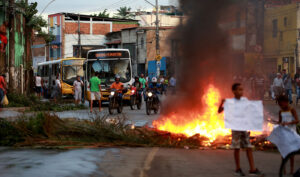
<point>108,54</point>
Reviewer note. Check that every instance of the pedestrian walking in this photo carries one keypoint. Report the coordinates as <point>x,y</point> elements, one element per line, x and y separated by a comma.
<point>45,89</point>
<point>288,87</point>
<point>56,90</point>
<point>288,117</point>
<point>241,139</point>
<point>95,88</point>
<point>77,89</point>
<point>3,86</point>
<point>278,86</point>
<point>38,85</point>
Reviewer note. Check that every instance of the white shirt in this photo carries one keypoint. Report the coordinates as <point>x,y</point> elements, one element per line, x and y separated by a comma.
<point>77,85</point>
<point>38,81</point>
<point>278,82</point>
<point>57,83</point>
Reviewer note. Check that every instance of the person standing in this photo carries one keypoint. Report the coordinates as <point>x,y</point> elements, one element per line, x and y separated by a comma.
<point>241,139</point>
<point>56,89</point>
<point>278,85</point>
<point>77,88</point>
<point>297,84</point>
<point>260,87</point>
<point>38,85</point>
<point>288,87</point>
<point>172,85</point>
<point>95,87</point>
<point>2,88</point>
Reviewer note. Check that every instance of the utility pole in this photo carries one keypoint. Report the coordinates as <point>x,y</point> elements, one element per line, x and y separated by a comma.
<point>11,61</point>
<point>157,57</point>
<point>79,37</point>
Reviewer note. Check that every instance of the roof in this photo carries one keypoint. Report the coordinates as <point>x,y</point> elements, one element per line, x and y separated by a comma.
<point>114,42</point>
<point>150,28</point>
<point>95,17</point>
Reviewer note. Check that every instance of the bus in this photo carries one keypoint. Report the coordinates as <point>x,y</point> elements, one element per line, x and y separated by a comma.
<point>109,63</point>
<point>66,69</point>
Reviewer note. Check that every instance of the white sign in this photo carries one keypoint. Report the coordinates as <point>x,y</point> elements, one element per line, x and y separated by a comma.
<point>286,140</point>
<point>243,115</point>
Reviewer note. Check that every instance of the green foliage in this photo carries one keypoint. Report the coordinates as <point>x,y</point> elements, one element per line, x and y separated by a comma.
<point>124,12</point>
<point>18,100</point>
<point>34,21</point>
<point>103,14</point>
<point>9,135</point>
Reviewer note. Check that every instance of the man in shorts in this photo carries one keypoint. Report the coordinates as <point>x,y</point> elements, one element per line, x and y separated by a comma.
<point>95,87</point>
<point>38,85</point>
<point>240,139</point>
<point>77,88</point>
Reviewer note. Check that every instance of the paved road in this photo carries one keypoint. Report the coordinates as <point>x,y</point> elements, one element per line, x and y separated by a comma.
<point>130,162</point>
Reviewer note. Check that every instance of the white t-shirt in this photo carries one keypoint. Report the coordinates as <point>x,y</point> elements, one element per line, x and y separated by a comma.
<point>57,83</point>
<point>77,85</point>
<point>278,82</point>
<point>38,81</point>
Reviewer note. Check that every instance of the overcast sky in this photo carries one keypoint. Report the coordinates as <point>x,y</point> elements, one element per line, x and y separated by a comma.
<point>86,6</point>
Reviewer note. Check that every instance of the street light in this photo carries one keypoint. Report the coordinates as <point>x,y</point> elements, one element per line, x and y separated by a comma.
<point>46,6</point>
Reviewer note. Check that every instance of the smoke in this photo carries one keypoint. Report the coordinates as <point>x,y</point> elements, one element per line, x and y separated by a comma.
<point>204,53</point>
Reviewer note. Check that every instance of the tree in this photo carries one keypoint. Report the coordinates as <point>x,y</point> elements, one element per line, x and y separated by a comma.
<point>124,12</point>
<point>103,14</point>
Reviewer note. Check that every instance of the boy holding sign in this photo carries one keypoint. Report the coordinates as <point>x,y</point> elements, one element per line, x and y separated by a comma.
<point>240,139</point>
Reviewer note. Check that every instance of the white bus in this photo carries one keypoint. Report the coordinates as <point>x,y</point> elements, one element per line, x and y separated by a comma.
<point>109,63</point>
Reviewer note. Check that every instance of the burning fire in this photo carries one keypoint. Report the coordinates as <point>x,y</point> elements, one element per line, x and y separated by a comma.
<point>209,123</point>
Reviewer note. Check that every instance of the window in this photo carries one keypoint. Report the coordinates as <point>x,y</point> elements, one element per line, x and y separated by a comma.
<point>274,28</point>
<point>285,21</point>
<point>281,36</point>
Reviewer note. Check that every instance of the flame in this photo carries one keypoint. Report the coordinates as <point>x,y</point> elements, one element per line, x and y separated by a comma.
<point>209,123</point>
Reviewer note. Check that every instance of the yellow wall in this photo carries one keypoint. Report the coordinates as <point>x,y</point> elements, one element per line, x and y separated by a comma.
<point>279,47</point>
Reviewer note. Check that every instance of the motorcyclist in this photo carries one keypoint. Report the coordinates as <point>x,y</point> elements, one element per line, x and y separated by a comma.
<point>153,88</point>
<point>118,87</point>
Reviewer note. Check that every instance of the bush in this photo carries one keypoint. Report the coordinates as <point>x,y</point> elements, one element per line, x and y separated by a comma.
<point>9,135</point>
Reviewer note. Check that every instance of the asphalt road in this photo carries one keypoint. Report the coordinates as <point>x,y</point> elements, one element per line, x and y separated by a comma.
<point>131,162</point>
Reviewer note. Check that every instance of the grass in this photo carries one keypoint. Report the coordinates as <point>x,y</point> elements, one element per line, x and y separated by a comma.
<point>17,100</point>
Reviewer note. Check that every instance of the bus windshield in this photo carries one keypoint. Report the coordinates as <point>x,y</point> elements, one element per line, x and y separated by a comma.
<point>108,69</point>
<point>72,69</point>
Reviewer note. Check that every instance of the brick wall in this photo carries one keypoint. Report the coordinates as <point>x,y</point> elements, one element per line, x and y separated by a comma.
<point>119,27</point>
<point>101,29</point>
<point>72,28</point>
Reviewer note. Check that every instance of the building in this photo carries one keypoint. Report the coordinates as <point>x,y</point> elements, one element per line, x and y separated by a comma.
<point>92,32</point>
<point>281,34</point>
<point>141,43</point>
<point>244,23</point>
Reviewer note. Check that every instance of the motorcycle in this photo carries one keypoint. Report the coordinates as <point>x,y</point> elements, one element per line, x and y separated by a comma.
<point>152,102</point>
<point>115,102</point>
<point>135,98</point>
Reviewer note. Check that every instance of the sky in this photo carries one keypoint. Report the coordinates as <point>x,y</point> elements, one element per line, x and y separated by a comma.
<point>93,6</point>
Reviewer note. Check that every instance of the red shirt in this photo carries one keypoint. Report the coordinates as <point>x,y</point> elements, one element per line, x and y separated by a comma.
<point>3,39</point>
<point>2,83</point>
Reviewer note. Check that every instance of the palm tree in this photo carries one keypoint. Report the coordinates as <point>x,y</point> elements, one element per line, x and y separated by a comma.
<point>124,12</point>
<point>103,14</point>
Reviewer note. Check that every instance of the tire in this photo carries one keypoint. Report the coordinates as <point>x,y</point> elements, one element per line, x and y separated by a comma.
<point>132,100</point>
<point>148,108</point>
<point>110,106</point>
<point>284,162</point>
<point>120,108</point>
<point>139,104</point>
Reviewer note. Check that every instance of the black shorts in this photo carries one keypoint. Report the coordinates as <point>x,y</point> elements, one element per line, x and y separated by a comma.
<point>38,89</point>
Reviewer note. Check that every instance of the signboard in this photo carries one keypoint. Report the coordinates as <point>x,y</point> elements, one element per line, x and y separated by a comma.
<point>286,140</point>
<point>158,58</point>
<point>243,115</point>
<point>108,54</point>
<point>73,62</point>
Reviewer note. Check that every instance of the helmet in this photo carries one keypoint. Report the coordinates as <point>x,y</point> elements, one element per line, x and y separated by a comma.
<point>117,76</point>
<point>154,80</point>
